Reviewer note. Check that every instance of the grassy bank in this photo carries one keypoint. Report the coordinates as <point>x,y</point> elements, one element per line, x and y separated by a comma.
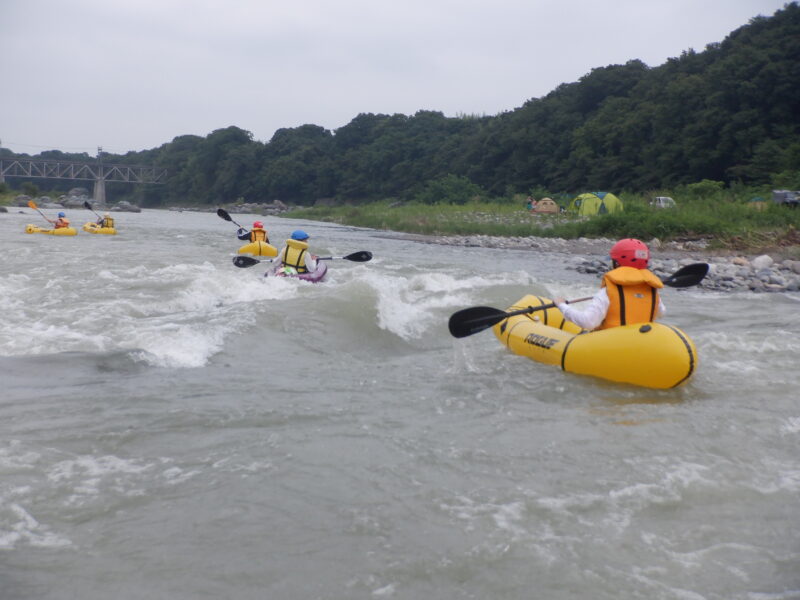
<point>725,222</point>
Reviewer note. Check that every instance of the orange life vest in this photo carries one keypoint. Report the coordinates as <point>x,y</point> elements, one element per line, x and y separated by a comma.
<point>259,235</point>
<point>61,222</point>
<point>632,295</point>
<point>295,255</point>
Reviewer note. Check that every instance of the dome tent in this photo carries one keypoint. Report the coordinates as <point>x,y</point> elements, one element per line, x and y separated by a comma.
<point>546,205</point>
<point>595,203</point>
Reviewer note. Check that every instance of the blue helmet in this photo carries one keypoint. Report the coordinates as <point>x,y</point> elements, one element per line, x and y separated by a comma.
<point>299,234</point>
<point>61,214</point>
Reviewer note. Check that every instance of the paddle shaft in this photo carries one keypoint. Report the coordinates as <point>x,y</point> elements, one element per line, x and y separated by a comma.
<point>32,205</point>
<point>248,261</point>
<point>223,214</point>
<point>89,206</point>
<point>472,320</point>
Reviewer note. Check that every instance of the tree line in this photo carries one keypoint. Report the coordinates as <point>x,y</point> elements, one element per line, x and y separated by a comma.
<point>729,113</point>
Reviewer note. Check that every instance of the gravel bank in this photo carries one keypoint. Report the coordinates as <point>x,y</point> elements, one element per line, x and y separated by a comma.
<point>729,271</point>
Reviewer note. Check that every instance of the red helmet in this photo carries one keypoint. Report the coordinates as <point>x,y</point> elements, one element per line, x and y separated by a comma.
<point>630,253</point>
<point>258,225</point>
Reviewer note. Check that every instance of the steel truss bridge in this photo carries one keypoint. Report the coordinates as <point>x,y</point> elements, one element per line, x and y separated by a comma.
<point>97,172</point>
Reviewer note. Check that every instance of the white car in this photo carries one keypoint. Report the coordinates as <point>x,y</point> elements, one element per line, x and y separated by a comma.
<point>662,202</point>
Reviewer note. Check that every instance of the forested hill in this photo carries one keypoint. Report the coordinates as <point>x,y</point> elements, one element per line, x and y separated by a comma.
<point>728,113</point>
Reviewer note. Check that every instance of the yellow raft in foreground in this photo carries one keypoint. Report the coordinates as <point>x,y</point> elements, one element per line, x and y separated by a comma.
<point>259,248</point>
<point>651,355</point>
<point>60,231</point>
<point>95,228</point>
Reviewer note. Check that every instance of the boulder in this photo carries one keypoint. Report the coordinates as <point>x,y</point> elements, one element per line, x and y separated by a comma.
<point>126,206</point>
<point>73,201</point>
<point>762,262</point>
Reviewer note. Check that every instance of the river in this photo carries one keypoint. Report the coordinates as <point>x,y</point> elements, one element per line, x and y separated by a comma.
<point>174,427</point>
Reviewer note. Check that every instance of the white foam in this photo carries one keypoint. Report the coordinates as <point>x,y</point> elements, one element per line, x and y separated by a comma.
<point>792,425</point>
<point>24,528</point>
<point>408,305</point>
<point>174,316</point>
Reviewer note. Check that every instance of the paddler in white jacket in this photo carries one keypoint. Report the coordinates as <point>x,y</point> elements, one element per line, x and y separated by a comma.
<point>629,292</point>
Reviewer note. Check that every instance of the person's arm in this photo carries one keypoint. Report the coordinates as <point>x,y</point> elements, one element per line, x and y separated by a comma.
<point>592,316</point>
<point>311,262</point>
<point>277,262</point>
<point>243,234</point>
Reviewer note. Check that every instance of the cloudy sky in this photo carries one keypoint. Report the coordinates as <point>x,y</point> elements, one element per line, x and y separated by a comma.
<point>132,75</point>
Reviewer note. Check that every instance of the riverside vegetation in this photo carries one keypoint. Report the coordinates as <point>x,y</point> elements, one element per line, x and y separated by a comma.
<point>725,218</point>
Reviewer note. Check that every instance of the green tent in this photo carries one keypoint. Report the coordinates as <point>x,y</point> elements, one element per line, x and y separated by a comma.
<point>595,203</point>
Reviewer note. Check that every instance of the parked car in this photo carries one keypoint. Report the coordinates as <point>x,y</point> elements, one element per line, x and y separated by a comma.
<point>786,197</point>
<point>662,202</point>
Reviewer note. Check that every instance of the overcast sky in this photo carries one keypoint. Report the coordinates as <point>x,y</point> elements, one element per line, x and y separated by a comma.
<point>133,75</point>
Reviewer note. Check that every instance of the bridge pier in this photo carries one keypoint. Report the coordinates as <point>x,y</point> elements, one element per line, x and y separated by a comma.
<point>99,195</point>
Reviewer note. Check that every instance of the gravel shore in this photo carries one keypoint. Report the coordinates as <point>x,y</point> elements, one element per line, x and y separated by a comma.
<point>730,271</point>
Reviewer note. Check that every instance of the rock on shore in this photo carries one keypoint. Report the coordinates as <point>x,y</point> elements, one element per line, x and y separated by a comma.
<point>588,255</point>
<point>727,274</point>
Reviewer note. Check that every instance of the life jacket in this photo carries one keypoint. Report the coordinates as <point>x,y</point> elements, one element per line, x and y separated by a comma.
<point>632,295</point>
<point>295,255</point>
<point>106,222</point>
<point>61,222</point>
<point>259,235</point>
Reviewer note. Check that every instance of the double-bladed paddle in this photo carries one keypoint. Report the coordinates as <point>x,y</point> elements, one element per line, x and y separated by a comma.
<point>88,206</point>
<point>477,318</point>
<point>223,214</point>
<point>32,205</point>
<point>247,261</point>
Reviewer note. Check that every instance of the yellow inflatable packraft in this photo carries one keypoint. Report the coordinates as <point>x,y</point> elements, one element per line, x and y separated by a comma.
<point>61,231</point>
<point>652,355</point>
<point>259,248</point>
<point>95,228</point>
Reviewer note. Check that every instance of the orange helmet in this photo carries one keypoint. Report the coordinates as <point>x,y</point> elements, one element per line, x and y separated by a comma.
<point>630,253</point>
<point>258,225</point>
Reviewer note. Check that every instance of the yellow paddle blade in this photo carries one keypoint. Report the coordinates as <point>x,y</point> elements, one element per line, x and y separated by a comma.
<point>32,204</point>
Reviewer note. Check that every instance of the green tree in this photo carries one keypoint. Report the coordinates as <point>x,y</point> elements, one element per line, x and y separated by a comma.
<point>450,189</point>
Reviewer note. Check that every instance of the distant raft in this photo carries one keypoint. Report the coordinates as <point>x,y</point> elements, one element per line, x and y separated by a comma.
<point>60,231</point>
<point>652,355</point>
<point>259,248</point>
<point>92,227</point>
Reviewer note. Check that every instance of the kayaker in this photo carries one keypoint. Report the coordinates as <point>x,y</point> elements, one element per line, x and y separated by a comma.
<point>294,256</point>
<point>61,222</point>
<point>628,293</point>
<point>257,234</point>
<point>106,221</point>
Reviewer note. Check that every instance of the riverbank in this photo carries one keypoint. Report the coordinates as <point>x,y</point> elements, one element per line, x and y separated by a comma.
<point>775,270</point>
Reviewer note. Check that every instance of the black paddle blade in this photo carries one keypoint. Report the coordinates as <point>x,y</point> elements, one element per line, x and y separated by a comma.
<point>360,256</point>
<point>687,276</point>
<point>245,261</point>
<point>87,206</point>
<point>474,319</point>
<point>224,214</point>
